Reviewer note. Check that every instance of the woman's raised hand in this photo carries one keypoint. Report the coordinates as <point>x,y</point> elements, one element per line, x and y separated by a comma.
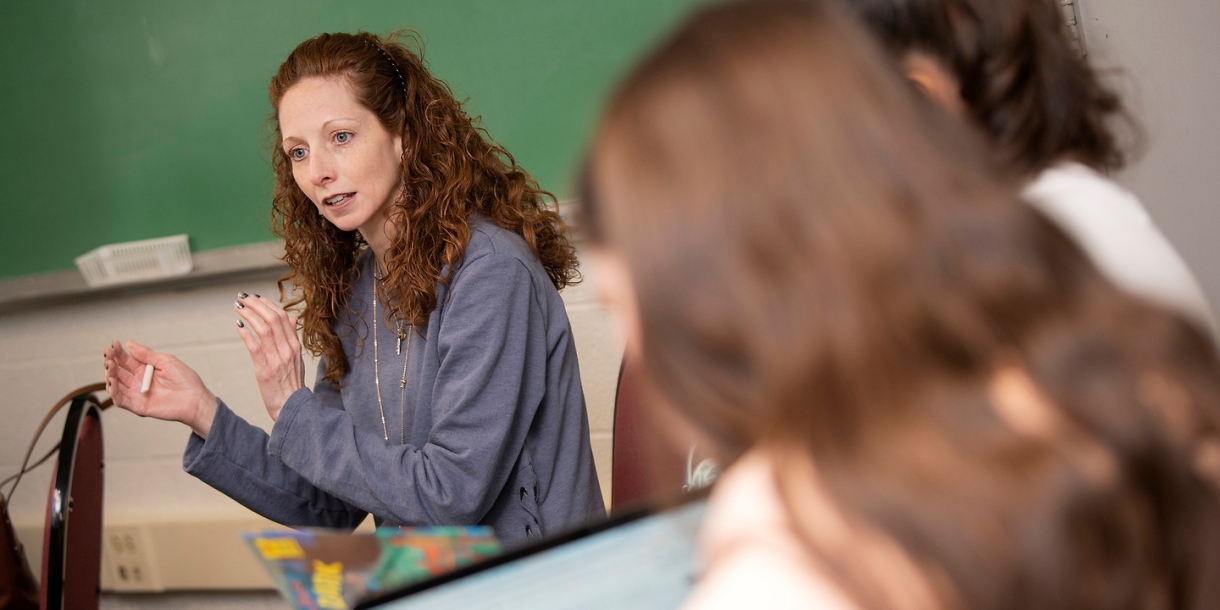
<point>271,336</point>
<point>176,394</point>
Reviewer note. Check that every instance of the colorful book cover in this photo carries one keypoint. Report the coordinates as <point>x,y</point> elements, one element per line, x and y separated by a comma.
<point>333,570</point>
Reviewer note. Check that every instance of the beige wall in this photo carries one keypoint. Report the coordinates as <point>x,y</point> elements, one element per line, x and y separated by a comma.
<point>1162,55</point>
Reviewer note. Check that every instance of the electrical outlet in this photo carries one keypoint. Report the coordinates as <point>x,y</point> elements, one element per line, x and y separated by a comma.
<point>128,560</point>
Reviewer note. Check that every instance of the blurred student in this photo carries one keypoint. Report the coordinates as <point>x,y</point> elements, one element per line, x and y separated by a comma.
<point>927,396</point>
<point>1007,68</point>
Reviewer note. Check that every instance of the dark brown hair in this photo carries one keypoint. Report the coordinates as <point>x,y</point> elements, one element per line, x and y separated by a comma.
<point>452,170</point>
<point>828,268</point>
<point>1020,78</point>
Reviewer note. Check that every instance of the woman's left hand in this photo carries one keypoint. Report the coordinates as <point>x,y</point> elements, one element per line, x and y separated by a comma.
<point>270,334</point>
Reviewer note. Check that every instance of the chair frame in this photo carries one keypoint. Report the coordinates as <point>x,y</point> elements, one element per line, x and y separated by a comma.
<point>643,466</point>
<point>72,557</point>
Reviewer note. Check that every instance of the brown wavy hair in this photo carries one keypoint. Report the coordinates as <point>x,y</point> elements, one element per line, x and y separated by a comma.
<point>1020,78</point>
<point>452,170</point>
<point>830,269</point>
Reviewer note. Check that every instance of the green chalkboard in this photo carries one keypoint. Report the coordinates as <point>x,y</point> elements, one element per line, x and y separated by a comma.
<point>132,119</point>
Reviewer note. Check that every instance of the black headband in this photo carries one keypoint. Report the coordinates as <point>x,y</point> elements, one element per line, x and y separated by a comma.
<point>401,80</point>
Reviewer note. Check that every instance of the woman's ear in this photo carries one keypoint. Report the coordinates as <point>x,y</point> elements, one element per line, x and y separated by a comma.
<point>935,81</point>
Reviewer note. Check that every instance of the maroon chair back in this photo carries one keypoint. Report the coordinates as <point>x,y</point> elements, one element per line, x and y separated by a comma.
<point>72,541</point>
<point>643,465</point>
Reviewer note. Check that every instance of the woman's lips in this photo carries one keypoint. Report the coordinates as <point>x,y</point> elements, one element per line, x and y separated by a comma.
<point>338,200</point>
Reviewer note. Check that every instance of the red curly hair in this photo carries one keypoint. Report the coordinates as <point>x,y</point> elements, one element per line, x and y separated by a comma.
<point>452,170</point>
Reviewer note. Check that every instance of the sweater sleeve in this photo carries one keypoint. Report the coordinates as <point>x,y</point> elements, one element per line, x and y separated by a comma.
<point>490,382</point>
<point>234,460</point>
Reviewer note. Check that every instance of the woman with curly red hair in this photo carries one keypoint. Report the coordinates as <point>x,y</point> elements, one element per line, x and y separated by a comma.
<point>426,266</point>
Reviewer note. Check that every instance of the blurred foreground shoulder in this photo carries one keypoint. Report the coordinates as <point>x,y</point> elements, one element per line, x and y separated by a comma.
<point>752,557</point>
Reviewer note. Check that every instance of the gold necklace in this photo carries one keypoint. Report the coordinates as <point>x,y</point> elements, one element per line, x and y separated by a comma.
<point>402,383</point>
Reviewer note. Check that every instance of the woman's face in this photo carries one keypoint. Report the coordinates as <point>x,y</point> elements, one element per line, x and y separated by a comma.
<point>616,290</point>
<point>342,158</point>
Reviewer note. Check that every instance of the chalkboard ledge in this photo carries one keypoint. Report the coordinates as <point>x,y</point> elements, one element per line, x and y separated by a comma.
<point>251,261</point>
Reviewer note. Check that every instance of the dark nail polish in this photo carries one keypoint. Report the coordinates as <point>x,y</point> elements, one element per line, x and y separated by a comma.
<point>242,295</point>
<point>239,305</point>
<point>241,324</point>
<point>257,296</point>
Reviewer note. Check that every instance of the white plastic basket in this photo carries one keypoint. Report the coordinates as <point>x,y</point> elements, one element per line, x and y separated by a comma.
<point>134,261</point>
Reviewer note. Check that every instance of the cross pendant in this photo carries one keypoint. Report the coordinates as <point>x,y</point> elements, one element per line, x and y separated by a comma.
<point>402,334</point>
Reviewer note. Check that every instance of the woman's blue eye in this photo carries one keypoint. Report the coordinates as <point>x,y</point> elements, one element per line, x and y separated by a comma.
<point>297,154</point>
<point>343,137</point>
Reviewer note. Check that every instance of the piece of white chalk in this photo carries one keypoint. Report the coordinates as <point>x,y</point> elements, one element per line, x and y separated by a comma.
<point>148,370</point>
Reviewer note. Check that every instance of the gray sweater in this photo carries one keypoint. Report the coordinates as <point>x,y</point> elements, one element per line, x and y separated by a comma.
<point>495,427</point>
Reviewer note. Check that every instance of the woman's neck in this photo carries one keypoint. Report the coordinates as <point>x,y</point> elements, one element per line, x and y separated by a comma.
<point>379,241</point>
